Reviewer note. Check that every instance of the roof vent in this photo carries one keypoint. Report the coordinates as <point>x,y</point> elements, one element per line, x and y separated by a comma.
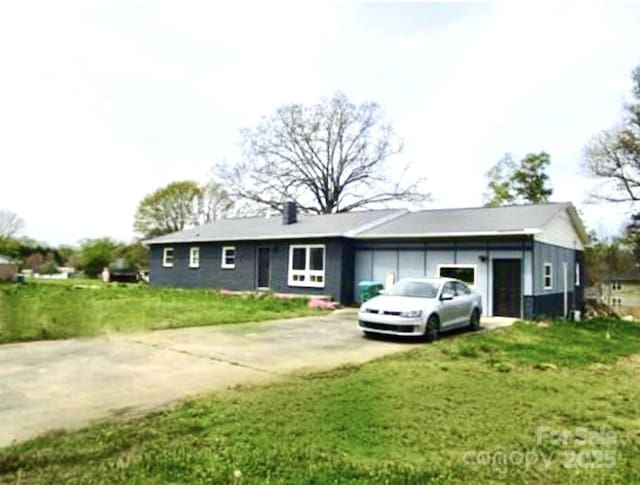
<point>290,213</point>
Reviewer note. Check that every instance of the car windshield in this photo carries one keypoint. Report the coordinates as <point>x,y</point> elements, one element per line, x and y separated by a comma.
<point>416,289</point>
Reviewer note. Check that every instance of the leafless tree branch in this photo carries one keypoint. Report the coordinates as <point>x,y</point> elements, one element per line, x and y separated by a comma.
<point>330,157</point>
<point>614,155</point>
<point>10,223</point>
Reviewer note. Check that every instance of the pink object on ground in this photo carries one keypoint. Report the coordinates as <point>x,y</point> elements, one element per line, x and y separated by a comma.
<point>322,304</point>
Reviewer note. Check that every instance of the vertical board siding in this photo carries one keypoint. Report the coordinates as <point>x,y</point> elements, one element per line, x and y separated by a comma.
<point>551,302</point>
<point>556,255</point>
<point>438,257</point>
<point>411,264</point>
<point>363,265</point>
<point>374,259</point>
<point>384,262</point>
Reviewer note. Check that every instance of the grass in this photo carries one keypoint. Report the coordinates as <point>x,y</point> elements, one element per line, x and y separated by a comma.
<point>441,413</point>
<point>64,308</point>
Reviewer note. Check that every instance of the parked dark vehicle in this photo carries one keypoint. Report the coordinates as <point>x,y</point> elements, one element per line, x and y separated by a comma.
<point>122,271</point>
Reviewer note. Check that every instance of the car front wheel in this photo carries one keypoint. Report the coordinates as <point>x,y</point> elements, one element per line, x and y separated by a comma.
<point>432,328</point>
<point>474,321</point>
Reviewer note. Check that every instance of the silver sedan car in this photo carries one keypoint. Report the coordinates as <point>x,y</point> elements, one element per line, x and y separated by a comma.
<point>421,307</point>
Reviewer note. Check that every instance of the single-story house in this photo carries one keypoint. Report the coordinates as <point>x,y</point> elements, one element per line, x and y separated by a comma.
<point>8,269</point>
<point>524,260</point>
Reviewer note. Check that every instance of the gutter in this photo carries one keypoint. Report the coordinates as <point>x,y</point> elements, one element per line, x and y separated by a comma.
<point>247,238</point>
<point>353,235</point>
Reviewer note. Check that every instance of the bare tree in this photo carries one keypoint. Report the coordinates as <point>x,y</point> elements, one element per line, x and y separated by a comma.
<point>214,202</point>
<point>611,155</point>
<point>614,155</point>
<point>329,157</point>
<point>10,223</point>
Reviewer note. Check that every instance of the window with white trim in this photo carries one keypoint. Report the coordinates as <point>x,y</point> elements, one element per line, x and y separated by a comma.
<point>548,276</point>
<point>577,274</point>
<point>194,257</point>
<point>306,265</point>
<point>462,272</point>
<point>167,257</point>
<point>228,257</point>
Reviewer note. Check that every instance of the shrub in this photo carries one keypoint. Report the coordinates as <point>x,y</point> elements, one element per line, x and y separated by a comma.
<point>49,267</point>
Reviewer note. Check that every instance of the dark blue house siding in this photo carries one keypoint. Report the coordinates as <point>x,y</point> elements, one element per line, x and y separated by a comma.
<point>550,303</point>
<point>210,274</point>
<point>579,290</point>
<point>527,307</point>
<point>340,267</point>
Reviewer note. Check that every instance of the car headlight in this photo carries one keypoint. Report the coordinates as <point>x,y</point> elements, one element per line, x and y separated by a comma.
<point>411,314</point>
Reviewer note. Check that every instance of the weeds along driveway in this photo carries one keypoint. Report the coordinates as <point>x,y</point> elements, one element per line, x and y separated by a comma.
<point>69,383</point>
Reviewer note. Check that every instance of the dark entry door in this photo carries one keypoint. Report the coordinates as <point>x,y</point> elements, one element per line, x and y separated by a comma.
<point>264,267</point>
<point>507,287</point>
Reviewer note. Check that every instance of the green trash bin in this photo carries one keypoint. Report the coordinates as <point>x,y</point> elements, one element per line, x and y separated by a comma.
<point>368,289</point>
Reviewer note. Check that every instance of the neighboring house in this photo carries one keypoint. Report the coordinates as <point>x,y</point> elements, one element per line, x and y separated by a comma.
<point>8,269</point>
<point>525,261</point>
<point>622,289</point>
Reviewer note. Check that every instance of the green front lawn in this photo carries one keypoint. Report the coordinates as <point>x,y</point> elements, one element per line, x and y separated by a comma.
<point>447,412</point>
<point>62,309</point>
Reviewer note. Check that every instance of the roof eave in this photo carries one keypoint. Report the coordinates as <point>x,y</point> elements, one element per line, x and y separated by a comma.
<point>577,224</point>
<point>258,238</point>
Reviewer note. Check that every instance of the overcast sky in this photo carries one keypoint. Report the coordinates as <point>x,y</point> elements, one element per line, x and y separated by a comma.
<point>103,102</point>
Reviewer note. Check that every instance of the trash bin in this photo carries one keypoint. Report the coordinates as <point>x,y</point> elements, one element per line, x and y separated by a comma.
<point>368,289</point>
<point>20,278</point>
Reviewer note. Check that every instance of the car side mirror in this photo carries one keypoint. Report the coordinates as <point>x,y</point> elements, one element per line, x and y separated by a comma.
<point>446,296</point>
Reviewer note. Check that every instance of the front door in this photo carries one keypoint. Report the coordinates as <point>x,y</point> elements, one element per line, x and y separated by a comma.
<point>507,287</point>
<point>264,268</point>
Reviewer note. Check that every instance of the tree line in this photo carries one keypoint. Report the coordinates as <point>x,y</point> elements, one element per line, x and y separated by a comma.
<point>90,256</point>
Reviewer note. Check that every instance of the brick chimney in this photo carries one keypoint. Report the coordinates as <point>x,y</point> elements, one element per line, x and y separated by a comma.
<point>289,213</point>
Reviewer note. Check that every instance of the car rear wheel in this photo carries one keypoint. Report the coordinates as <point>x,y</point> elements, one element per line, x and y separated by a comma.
<point>474,321</point>
<point>432,328</point>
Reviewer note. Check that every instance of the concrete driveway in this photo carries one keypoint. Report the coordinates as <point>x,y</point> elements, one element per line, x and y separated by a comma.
<point>70,383</point>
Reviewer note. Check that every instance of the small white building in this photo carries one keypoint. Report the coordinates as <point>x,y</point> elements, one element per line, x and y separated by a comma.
<point>8,269</point>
